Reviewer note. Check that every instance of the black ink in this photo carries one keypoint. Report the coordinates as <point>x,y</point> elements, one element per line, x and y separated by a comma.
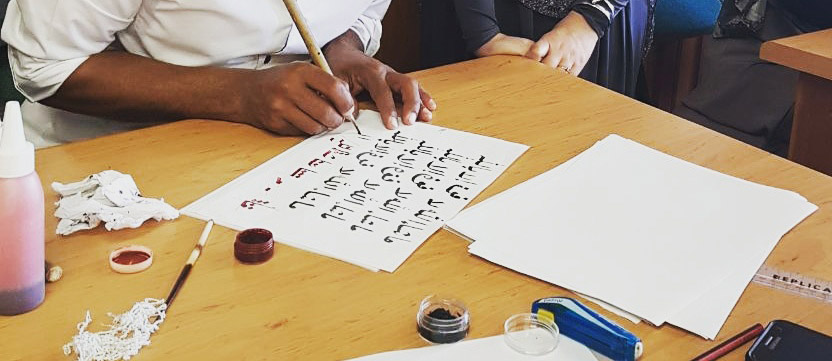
<point>363,158</point>
<point>434,204</point>
<point>423,184</point>
<point>314,191</point>
<point>293,206</point>
<point>402,193</point>
<point>454,194</point>
<point>390,239</point>
<point>388,176</point>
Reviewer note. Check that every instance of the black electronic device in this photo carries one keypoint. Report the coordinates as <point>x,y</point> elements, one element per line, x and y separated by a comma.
<point>788,341</point>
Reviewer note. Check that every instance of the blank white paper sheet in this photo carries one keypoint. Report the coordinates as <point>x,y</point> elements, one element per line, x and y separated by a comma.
<point>369,199</point>
<point>491,348</point>
<point>659,237</point>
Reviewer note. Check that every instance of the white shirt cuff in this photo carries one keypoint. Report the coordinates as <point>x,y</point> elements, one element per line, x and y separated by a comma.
<point>38,79</point>
<point>369,31</point>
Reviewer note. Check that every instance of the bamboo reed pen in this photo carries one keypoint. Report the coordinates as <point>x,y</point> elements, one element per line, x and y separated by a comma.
<point>186,270</point>
<point>313,49</point>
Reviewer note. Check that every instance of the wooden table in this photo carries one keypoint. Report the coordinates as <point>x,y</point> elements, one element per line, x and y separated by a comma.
<point>301,306</point>
<point>811,54</point>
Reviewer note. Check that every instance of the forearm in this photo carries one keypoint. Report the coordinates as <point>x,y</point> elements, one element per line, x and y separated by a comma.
<point>599,13</point>
<point>121,85</point>
<point>348,41</point>
<point>478,22</point>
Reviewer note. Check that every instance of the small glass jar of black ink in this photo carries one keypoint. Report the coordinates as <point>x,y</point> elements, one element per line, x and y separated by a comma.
<point>442,320</point>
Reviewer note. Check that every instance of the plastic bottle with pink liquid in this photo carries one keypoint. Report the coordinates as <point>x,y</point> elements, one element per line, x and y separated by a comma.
<point>21,219</point>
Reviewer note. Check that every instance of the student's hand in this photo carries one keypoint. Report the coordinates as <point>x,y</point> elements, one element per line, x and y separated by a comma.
<point>383,83</point>
<point>568,46</point>
<point>502,44</point>
<point>295,99</point>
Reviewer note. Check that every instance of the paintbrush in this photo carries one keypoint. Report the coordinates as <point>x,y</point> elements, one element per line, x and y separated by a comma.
<point>186,270</point>
<point>313,49</point>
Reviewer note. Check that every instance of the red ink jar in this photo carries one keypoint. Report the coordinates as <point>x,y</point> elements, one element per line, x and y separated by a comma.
<point>254,245</point>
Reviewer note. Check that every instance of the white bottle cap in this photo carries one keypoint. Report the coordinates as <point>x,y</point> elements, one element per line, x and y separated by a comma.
<point>17,156</point>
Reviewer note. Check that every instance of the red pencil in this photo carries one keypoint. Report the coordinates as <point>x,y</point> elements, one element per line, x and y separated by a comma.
<point>731,344</point>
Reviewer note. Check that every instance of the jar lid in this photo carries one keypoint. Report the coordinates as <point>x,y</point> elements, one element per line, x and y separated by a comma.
<point>528,334</point>
<point>131,259</point>
<point>254,245</point>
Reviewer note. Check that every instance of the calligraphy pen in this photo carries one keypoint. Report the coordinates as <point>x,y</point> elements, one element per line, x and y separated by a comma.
<point>313,49</point>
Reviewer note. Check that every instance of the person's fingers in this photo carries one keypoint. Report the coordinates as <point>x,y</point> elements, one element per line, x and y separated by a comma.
<point>383,97</point>
<point>318,108</point>
<point>553,59</point>
<point>425,115</point>
<point>408,89</point>
<point>302,121</point>
<point>335,90</point>
<point>539,50</point>
<point>576,67</point>
<point>427,100</point>
<point>283,127</point>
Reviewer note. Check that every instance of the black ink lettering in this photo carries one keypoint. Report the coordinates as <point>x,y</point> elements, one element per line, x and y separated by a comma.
<point>363,158</point>
<point>437,169</point>
<point>358,197</point>
<point>399,138</point>
<point>454,194</point>
<point>423,184</point>
<point>336,209</point>
<point>313,191</point>
<point>428,215</point>
<point>402,193</point>
<point>368,219</point>
<point>381,148</point>
<point>355,227</point>
<point>482,163</point>
<point>293,206</point>
<point>434,204</point>
<point>327,215</point>
<point>333,183</point>
<point>401,229</point>
<point>391,239</point>
<point>371,186</point>
<point>388,174</point>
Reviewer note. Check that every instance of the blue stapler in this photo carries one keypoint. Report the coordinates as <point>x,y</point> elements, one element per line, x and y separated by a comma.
<point>586,326</point>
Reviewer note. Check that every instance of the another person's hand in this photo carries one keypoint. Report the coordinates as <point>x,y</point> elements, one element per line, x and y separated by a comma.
<point>295,99</point>
<point>383,83</point>
<point>502,44</point>
<point>568,46</point>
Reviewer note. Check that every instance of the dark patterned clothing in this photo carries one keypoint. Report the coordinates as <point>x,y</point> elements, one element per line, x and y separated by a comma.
<point>624,28</point>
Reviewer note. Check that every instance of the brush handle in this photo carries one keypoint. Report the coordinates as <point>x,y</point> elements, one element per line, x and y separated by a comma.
<point>308,39</point>
<point>312,47</point>
<point>178,285</point>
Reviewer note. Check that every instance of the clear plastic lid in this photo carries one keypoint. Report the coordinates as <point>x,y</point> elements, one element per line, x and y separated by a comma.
<point>530,335</point>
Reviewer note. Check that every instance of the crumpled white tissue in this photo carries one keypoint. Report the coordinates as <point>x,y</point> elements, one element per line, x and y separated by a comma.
<point>127,334</point>
<point>109,196</point>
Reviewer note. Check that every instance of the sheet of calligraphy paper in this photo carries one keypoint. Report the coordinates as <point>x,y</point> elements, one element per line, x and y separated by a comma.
<point>370,199</point>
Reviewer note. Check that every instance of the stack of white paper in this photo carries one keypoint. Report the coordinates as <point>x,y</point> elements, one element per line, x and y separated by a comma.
<point>370,199</point>
<point>486,349</point>
<point>664,239</point>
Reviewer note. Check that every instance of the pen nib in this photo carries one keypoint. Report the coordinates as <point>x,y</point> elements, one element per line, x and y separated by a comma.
<point>350,118</point>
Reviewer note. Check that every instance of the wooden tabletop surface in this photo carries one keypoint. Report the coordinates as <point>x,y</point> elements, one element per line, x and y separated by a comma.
<point>810,53</point>
<point>301,306</point>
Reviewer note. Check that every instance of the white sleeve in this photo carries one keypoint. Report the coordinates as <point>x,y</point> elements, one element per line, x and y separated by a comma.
<point>49,39</point>
<point>368,26</point>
